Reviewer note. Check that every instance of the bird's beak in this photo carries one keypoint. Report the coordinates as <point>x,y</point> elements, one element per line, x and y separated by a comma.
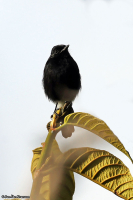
<point>65,48</point>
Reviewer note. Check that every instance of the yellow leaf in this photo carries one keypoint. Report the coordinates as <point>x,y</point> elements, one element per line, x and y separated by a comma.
<point>95,125</point>
<point>101,167</point>
<point>58,184</point>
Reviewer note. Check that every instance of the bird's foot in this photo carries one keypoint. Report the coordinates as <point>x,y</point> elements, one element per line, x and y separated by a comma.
<point>67,105</point>
<point>59,115</point>
<point>55,117</point>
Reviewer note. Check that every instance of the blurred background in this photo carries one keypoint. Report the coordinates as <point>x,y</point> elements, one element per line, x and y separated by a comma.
<point>100,35</point>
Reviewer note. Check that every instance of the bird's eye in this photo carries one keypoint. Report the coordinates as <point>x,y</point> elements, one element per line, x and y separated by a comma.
<point>56,51</point>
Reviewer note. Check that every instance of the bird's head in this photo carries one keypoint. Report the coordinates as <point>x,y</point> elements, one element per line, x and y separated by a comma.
<point>58,50</point>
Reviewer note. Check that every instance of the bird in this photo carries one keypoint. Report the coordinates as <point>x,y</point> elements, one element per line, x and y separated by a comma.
<point>61,77</point>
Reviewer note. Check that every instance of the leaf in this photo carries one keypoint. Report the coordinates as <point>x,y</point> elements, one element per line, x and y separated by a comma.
<point>35,158</point>
<point>100,167</point>
<point>95,125</point>
<point>58,184</point>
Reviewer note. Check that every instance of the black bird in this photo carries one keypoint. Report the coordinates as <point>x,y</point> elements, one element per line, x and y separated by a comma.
<point>61,77</point>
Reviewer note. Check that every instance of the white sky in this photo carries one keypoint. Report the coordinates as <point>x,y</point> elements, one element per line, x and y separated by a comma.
<point>100,35</point>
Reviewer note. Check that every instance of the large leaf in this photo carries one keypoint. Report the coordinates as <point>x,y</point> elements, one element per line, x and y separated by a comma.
<point>95,125</point>
<point>100,167</point>
<point>57,184</point>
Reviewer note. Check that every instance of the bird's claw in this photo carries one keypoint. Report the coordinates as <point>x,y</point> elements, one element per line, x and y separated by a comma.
<point>59,115</point>
<point>67,105</point>
<point>56,115</point>
<point>52,129</point>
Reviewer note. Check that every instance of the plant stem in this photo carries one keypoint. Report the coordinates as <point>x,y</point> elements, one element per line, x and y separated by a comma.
<point>44,155</point>
<point>46,149</point>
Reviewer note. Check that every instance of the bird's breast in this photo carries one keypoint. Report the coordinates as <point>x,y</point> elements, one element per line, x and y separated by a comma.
<point>65,94</point>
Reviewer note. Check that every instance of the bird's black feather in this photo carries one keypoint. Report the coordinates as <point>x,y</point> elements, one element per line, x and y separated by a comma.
<point>61,73</point>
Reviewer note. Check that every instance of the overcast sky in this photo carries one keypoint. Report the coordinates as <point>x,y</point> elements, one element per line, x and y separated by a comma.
<point>100,35</point>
